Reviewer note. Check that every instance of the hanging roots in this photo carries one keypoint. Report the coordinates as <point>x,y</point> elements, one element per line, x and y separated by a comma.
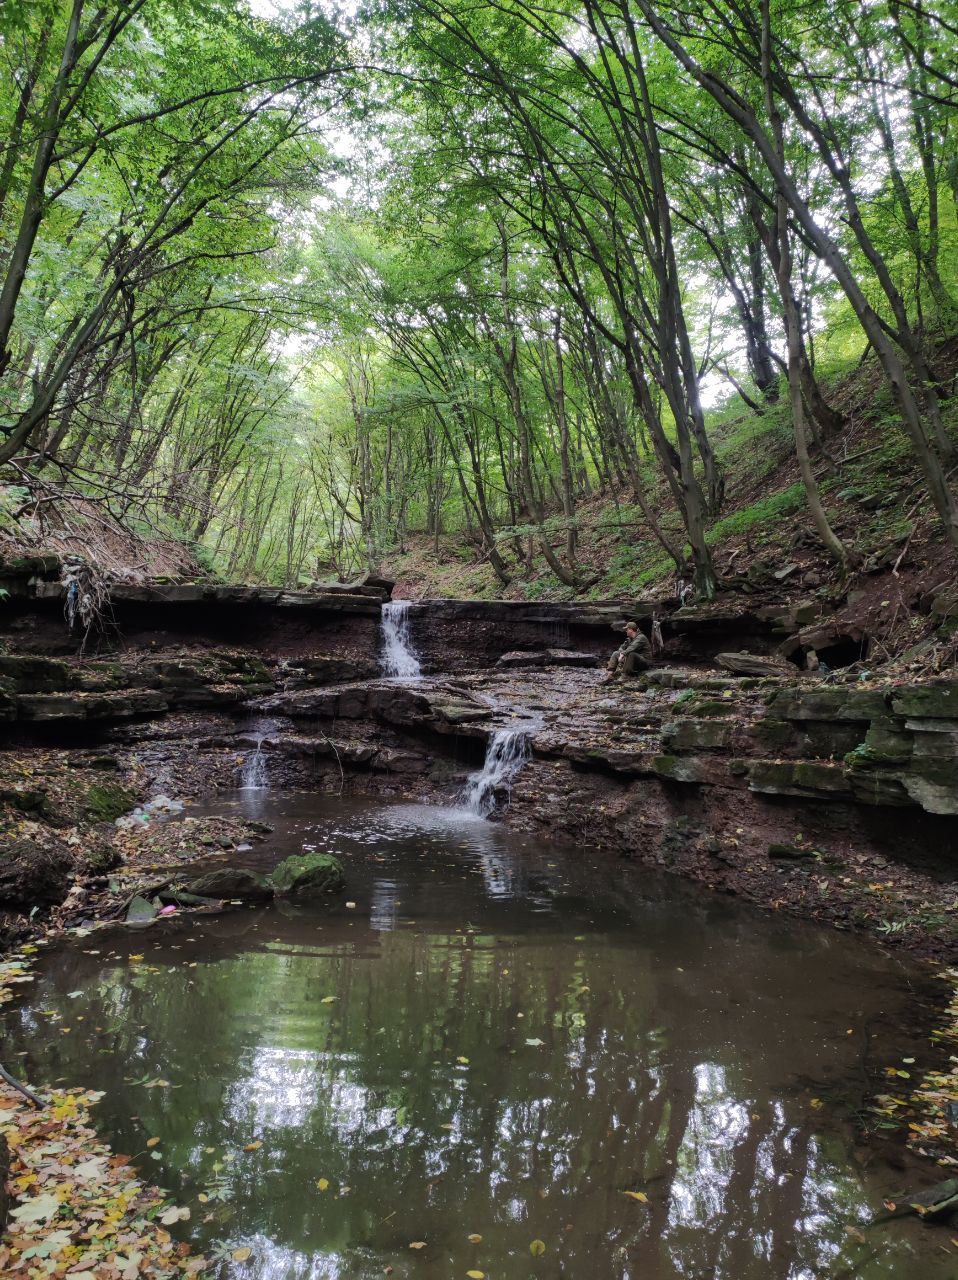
<point>86,604</point>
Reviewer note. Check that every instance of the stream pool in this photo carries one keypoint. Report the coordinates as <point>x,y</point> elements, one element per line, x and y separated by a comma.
<point>485,1043</point>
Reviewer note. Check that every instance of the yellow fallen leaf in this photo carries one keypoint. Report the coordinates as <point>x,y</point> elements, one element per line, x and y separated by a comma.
<point>537,1248</point>
<point>474,1239</point>
<point>817,1103</point>
<point>135,959</point>
<point>152,1142</point>
<point>638,1195</point>
<point>462,1060</point>
<point>417,1244</point>
<point>323,1184</point>
<point>253,1146</point>
<point>241,1255</point>
<point>327,1000</point>
<point>476,1275</point>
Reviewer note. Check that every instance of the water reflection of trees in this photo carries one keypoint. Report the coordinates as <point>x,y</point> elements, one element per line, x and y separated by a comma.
<point>681,1087</point>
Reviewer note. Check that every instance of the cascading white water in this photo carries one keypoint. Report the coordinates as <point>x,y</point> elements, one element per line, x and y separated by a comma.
<point>399,657</point>
<point>507,752</point>
<point>253,773</point>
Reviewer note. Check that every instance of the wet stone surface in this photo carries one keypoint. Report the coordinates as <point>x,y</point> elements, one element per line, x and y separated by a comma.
<point>482,1044</point>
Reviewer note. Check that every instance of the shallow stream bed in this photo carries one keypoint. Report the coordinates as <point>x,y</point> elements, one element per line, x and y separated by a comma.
<point>485,1044</point>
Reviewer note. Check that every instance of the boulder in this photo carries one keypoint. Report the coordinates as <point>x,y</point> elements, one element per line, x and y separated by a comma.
<point>28,673</point>
<point>547,658</point>
<point>686,734</point>
<point>33,874</point>
<point>232,882</point>
<point>679,769</point>
<point>308,875</point>
<point>140,910</point>
<point>755,664</point>
<point>789,852</point>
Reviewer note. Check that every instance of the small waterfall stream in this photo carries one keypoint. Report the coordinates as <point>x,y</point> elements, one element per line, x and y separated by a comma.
<point>253,772</point>
<point>507,752</point>
<point>399,658</point>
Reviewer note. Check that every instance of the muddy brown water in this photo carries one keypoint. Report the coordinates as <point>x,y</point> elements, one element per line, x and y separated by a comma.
<point>494,1045</point>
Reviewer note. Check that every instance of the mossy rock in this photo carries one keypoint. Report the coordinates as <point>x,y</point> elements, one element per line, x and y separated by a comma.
<point>678,769</point>
<point>789,851</point>
<point>97,854</point>
<point>232,882</point>
<point>308,875</point>
<point>937,699</point>
<point>686,734</point>
<point>105,801</point>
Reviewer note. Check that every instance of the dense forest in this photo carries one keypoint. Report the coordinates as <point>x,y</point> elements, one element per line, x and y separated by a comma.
<point>295,285</point>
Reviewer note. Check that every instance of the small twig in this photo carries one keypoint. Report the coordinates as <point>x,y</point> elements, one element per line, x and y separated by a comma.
<point>901,553</point>
<point>21,1088</point>
<point>342,775</point>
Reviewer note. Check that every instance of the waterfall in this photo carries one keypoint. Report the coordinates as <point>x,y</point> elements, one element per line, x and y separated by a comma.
<point>253,773</point>
<point>507,752</point>
<point>399,659</point>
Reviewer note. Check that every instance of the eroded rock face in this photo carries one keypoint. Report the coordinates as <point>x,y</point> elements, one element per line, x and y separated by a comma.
<point>548,658</point>
<point>309,875</point>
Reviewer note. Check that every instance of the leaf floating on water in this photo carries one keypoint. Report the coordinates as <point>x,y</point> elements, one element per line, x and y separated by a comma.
<point>136,959</point>
<point>253,1146</point>
<point>476,1275</point>
<point>242,1255</point>
<point>534,1041</point>
<point>817,1103</point>
<point>152,1142</point>
<point>537,1248</point>
<point>174,1215</point>
<point>417,1244</point>
<point>323,1184</point>
<point>463,1060</point>
<point>638,1195</point>
<point>474,1239</point>
<point>327,1000</point>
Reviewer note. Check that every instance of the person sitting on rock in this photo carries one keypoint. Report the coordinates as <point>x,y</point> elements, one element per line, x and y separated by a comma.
<point>634,654</point>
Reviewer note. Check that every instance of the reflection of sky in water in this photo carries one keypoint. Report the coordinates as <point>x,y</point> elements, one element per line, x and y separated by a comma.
<point>383,909</point>
<point>664,1050</point>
